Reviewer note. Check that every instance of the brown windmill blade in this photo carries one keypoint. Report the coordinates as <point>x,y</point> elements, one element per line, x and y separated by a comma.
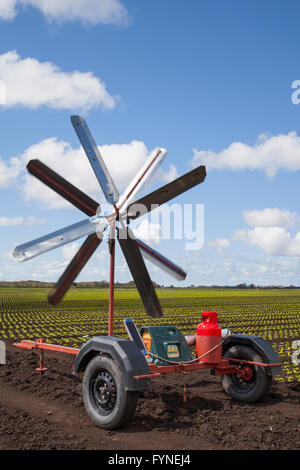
<point>139,272</point>
<point>62,187</point>
<point>166,193</point>
<point>76,265</point>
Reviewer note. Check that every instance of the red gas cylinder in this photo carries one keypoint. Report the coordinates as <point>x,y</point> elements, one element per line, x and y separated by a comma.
<point>209,335</point>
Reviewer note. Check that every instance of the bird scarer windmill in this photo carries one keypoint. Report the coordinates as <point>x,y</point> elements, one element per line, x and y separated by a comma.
<point>115,370</point>
<point>124,209</point>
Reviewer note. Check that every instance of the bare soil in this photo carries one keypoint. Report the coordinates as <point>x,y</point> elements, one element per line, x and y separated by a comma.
<point>43,413</point>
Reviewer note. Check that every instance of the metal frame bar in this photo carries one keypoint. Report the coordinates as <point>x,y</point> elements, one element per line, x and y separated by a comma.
<point>221,368</point>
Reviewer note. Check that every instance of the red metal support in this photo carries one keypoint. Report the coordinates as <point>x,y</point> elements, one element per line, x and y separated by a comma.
<point>41,369</point>
<point>184,394</point>
<point>112,249</point>
<point>42,346</point>
<point>275,364</point>
<point>27,344</point>
<point>223,367</point>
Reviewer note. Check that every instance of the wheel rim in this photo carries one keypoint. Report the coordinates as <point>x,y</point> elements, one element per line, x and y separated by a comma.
<point>103,392</point>
<point>246,382</point>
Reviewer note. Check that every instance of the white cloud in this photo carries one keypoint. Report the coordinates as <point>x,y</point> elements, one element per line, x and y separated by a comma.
<point>69,251</point>
<point>276,241</point>
<point>270,154</point>
<point>203,269</point>
<point>32,84</point>
<point>11,222</point>
<point>14,221</point>
<point>9,172</point>
<point>269,231</point>
<point>219,244</point>
<point>7,9</point>
<point>31,220</point>
<point>88,11</point>
<point>169,175</point>
<point>270,217</point>
<point>273,240</point>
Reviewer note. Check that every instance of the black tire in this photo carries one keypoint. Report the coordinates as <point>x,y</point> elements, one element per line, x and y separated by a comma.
<point>107,402</point>
<point>258,383</point>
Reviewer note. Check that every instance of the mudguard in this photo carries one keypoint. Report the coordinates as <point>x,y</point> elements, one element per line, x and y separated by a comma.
<point>127,355</point>
<point>260,345</point>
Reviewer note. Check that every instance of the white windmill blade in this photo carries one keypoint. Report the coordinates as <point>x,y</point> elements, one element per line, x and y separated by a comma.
<point>60,237</point>
<point>97,163</point>
<point>161,261</point>
<point>142,178</point>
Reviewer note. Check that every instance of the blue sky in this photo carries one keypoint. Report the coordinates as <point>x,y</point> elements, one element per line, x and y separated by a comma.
<point>202,79</point>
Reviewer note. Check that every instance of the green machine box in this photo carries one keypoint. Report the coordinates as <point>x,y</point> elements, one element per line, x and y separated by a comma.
<point>167,342</point>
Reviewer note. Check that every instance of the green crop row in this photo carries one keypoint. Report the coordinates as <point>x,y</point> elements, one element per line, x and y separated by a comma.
<point>272,314</point>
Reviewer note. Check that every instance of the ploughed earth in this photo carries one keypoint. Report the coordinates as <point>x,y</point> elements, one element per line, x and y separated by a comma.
<point>47,412</point>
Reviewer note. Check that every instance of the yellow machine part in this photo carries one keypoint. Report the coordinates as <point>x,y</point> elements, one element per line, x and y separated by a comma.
<point>147,340</point>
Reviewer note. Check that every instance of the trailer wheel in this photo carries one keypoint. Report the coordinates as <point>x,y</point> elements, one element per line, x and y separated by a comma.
<point>256,382</point>
<point>107,402</point>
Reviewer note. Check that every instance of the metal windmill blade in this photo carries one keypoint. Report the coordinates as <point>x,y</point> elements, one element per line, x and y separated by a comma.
<point>94,227</point>
<point>97,163</point>
<point>60,237</point>
<point>152,163</point>
<point>161,261</point>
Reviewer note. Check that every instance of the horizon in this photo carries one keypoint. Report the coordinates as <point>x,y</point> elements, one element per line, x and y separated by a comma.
<point>131,284</point>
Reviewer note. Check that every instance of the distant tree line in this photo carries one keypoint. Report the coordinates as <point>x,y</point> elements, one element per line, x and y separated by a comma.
<point>131,285</point>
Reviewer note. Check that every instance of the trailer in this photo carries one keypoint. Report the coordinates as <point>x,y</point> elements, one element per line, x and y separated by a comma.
<point>115,370</point>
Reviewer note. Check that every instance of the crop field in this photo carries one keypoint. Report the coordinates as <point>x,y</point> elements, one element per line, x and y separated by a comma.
<point>273,314</point>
